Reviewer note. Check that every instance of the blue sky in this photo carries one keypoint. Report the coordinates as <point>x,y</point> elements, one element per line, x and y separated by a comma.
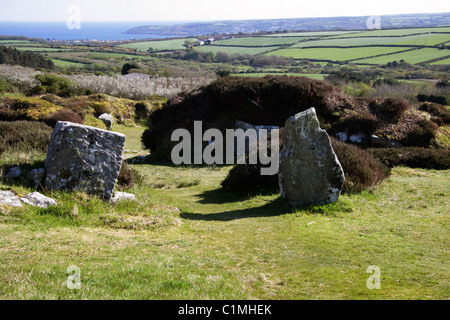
<point>190,10</point>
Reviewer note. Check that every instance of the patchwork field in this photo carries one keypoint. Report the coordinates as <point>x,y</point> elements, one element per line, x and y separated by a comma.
<point>159,45</point>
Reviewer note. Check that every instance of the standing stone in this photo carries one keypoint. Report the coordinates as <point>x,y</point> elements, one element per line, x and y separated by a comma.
<point>107,119</point>
<point>83,158</point>
<point>309,172</point>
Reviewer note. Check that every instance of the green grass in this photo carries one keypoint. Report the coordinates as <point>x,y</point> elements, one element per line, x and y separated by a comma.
<point>333,54</point>
<point>414,56</point>
<point>41,49</point>
<point>233,50</point>
<point>423,39</point>
<point>159,45</point>
<point>258,41</point>
<point>64,63</point>
<point>316,76</point>
<point>312,34</point>
<point>444,61</point>
<point>185,238</point>
<point>394,32</point>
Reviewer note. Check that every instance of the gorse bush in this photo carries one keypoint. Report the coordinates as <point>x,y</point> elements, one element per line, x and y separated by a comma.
<point>51,83</point>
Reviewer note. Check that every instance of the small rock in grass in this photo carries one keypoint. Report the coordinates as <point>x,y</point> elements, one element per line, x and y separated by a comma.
<point>121,196</point>
<point>9,198</point>
<point>13,173</point>
<point>38,200</point>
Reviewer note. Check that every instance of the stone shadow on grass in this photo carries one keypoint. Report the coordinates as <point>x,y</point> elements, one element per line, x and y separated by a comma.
<point>277,207</point>
<point>219,196</point>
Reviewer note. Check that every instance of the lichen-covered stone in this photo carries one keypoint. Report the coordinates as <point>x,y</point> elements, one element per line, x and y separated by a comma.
<point>84,158</point>
<point>36,199</point>
<point>309,171</point>
<point>9,198</point>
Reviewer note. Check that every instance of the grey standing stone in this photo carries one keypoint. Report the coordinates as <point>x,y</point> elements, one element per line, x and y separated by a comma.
<point>309,172</point>
<point>84,158</point>
<point>107,119</point>
<point>36,199</point>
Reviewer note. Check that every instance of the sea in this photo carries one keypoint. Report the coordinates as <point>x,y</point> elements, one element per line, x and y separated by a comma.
<point>88,30</point>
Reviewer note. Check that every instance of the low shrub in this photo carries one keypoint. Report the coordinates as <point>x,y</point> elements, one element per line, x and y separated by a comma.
<point>413,157</point>
<point>422,135</point>
<point>433,98</point>
<point>24,136</point>
<point>62,115</point>
<point>52,83</point>
<point>389,109</point>
<point>362,170</point>
<point>439,114</point>
<point>128,177</point>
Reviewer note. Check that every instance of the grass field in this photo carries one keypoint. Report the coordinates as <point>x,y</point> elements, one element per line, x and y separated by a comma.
<point>233,50</point>
<point>333,54</point>
<point>414,56</point>
<point>185,238</point>
<point>65,64</point>
<point>259,41</point>
<point>394,32</point>
<point>159,45</point>
<point>414,40</point>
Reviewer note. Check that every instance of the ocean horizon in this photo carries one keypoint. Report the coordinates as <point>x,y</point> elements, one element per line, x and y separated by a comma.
<point>89,30</point>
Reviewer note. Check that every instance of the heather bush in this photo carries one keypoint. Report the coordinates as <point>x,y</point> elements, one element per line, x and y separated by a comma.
<point>24,136</point>
<point>422,135</point>
<point>259,101</point>
<point>362,170</point>
<point>414,157</point>
<point>389,109</point>
<point>128,177</point>
<point>62,115</point>
<point>439,114</point>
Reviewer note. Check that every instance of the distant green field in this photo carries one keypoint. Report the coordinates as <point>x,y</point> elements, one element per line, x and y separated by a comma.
<point>40,49</point>
<point>233,50</point>
<point>259,41</point>
<point>422,39</point>
<point>263,74</point>
<point>109,55</point>
<point>334,54</point>
<point>445,61</point>
<point>159,45</point>
<point>394,32</point>
<point>310,34</point>
<point>65,64</point>
<point>19,42</point>
<point>414,56</point>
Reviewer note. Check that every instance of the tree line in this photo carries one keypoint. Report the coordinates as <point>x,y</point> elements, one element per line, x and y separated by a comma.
<point>13,56</point>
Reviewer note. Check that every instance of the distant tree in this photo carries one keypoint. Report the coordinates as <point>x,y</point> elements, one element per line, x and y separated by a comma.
<point>443,83</point>
<point>128,66</point>
<point>223,73</point>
